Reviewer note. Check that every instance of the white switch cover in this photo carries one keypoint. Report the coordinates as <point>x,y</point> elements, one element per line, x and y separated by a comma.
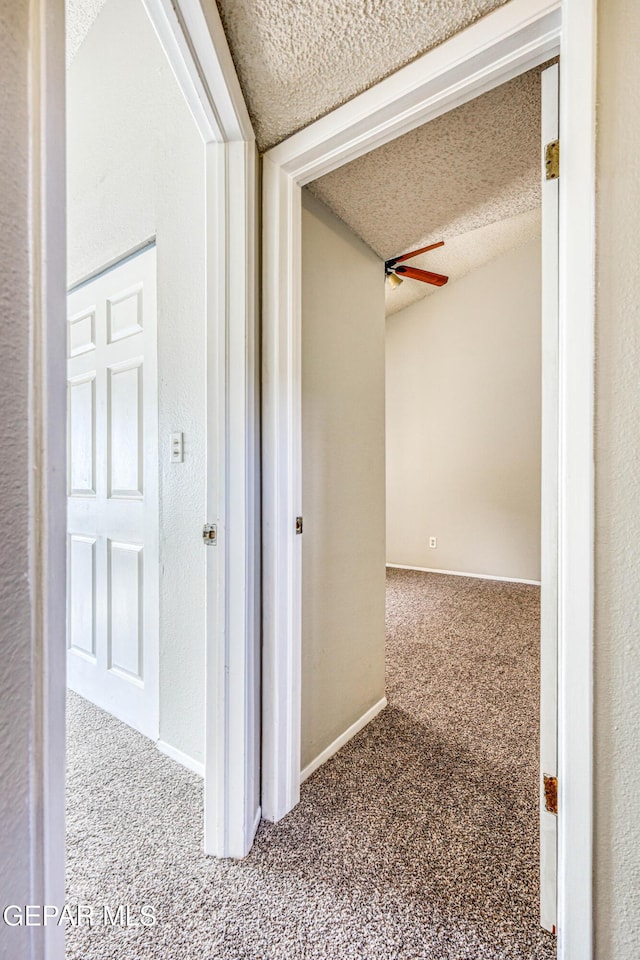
<point>177,448</point>
<point>433,542</point>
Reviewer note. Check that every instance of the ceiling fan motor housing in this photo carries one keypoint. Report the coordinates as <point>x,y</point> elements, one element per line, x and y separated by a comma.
<point>392,269</point>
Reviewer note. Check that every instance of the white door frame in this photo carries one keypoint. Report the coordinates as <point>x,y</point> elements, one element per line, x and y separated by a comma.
<point>548,759</point>
<point>197,50</point>
<point>517,36</point>
<point>196,47</point>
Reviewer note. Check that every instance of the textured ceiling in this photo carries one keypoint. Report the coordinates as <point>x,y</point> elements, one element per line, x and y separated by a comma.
<point>475,165</point>
<point>298,59</point>
<point>470,178</point>
<point>80,16</point>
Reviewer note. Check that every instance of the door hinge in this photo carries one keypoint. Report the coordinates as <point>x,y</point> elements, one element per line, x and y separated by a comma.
<point>298,524</point>
<point>552,160</point>
<point>550,794</point>
<point>210,534</point>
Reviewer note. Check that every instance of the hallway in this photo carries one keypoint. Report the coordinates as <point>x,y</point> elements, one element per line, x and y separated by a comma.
<point>418,840</point>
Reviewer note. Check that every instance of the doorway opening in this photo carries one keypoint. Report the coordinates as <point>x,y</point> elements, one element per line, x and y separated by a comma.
<point>576,259</point>
<point>453,760</point>
<point>137,432</point>
<point>154,156</point>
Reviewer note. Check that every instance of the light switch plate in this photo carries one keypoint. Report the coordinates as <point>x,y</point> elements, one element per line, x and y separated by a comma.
<point>177,448</point>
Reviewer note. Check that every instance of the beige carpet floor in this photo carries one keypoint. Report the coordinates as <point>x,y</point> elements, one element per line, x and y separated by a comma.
<point>418,840</point>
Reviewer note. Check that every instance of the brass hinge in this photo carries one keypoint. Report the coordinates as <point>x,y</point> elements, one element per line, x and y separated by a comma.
<point>550,794</point>
<point>298,524</point>
<point>552,160</point>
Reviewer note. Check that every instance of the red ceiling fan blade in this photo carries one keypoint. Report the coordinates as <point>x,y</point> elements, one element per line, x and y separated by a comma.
<point>437,279</point>
<point>414,253</point>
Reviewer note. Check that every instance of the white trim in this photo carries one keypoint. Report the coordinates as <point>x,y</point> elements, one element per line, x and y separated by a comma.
<point>196,47</point>
<point>47,442</point>
<point>195,766</point>
<point>514,38</point>
<point>256,820</point>
<point>164,17</point>
<point>576,483</point>
<point>282,493</point>
<point>233,491</point>
<point>216,753</point>
<point>460,573</point>
<point>243,495</point>
<point>195,44</point>
<point>202,26</point>
<point>548,751</point>
<point>502,44</point>
<point>507,41</point>
<point>340,741</point>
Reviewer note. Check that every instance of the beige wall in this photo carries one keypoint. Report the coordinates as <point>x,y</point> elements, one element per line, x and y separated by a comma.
<point>617,559</point>
<point>136,168</point>
<point>343,575</point>
<point>463,423</point>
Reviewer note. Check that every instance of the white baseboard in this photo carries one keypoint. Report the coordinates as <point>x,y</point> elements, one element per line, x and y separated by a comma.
<point>459,573</point>
<point>196,766</point>
<point>340,741</point>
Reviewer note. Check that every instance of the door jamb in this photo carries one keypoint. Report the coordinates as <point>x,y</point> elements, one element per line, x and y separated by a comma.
<point>516,37</point>
<point>196,46</point>
<point>48,488</point>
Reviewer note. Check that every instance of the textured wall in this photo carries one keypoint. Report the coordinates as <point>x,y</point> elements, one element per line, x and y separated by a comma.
<point>136,168</point>
<point>343,576</point>
<point>463,423</point>
<point>617,614</point>
<point>15,619</point>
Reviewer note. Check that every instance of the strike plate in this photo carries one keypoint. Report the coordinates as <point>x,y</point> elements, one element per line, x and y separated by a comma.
<point>210,534</point>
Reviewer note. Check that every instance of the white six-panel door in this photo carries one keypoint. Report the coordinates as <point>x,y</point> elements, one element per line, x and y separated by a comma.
<point>112,486</point>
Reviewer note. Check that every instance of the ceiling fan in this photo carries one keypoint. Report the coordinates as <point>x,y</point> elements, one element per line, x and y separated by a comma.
<point>394,274</point>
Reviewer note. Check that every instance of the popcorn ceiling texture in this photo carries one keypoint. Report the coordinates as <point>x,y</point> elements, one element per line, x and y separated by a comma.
<point>298,59</point>
<point>80,16</point>
<point>475,165</point>
<point>470,177</point>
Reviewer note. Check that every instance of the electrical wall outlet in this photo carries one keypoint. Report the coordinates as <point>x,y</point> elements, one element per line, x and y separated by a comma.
<point>433,542</point>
